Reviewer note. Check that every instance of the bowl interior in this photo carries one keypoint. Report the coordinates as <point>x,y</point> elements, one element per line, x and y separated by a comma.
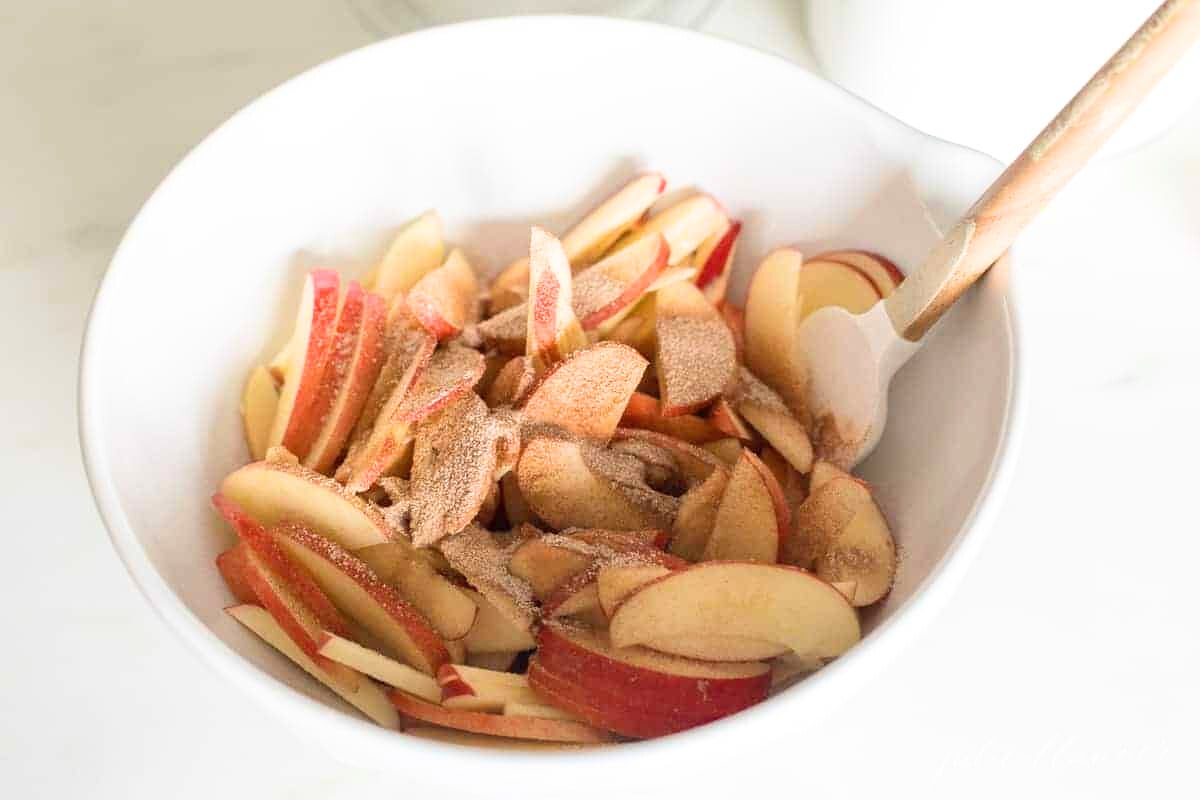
<point>322,171</point>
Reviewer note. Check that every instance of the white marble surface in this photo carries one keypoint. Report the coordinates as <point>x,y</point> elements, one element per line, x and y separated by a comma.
<point>1066,666</point>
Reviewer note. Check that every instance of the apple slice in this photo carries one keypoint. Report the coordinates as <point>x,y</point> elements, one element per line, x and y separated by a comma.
<point>833,283</point>
<point>308,350</point>
<point>587,393</point>
<point>637,677</point>
<point>552,331</point>
<point>378,666</point>
<point>366,697</point>
<point>444,299</point>
<point>820,519</point>
<point>791,481</point>
<point>727,450</point>
<point>547,562</point>
<point>771,602</point>
<point>231,564</point>
<point>539,710</point>
<point>685,226</point>
<point>380,439</point>
<point>726,419</point>
<point>350,374</point>
<point>635,329</point>
<point>571,484</point>
<point>645,412</point>
<point>513,383</point>
<point>620,280</point>
<point>454,466</point>
<point>615,583</point>
<point>516,508</point>
<point>773,314</point>
<point>879,270</point>
<point>474,689</point>
<point>702,647</point>
<point>506,332</point>
<point>578,598</point>
<point>862,554</point>
<point>547,730</point>
<point>493,631</point>
<point>694,463</point>
<point>825,471</point>
<point>697,516</point>
<point>361,595</point>
<point>477,555</point>
<point>713,258</point>
<point>769,415</point>
<point>694,353</point>
<point>448,608</point>
<point>735,320</point>
<point>590,237</point>
<point>272,491</point>
<point>752,520</point>
<point>259,401</point>
<point>416,251</point>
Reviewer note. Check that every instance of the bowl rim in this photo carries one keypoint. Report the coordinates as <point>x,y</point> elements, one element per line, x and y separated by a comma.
<point>848,671</point>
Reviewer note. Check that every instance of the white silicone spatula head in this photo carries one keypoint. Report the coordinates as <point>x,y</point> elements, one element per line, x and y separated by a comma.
<point>850,358</point>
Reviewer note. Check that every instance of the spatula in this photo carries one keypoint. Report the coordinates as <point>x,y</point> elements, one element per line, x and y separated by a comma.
<point>850,358</point>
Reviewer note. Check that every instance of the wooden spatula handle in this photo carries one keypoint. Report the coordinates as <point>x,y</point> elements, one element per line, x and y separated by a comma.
<point>1052,159</point>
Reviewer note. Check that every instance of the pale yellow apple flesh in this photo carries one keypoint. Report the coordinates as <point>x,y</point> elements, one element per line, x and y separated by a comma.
<point>747,525</point>
<point>587,393</point>
<point>380,667</point>
<point>259,401</point>
<point>494,632</point>
<point>697,516</point>
<point>416,251</point>
<point>448,608</point>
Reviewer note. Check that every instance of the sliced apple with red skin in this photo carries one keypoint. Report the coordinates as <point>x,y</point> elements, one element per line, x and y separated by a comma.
<point>618,281</point>
<point>578,598</point>
<point>378,666</point>
<point>272,491</point>
<point>726,419</point>
<point>231,564</point>
<point>366,696</point>
<point>584,703</point>
<point>416,251</point>
<point>697,516</point>
<point>639,677</point>
<point>494,631</point>
<point>539,709</point>
<point>552,331</point>
<point>361,595</point>
<point>720,649</point>
<point>262,545</point>
<point>735,319</point>
<point>771,602</point>
<point>685,226</point>
<point>350,374</point>
<point>475,689</point>
<point>752,519</point>
<point>636,329</point>
<point>547,730</point>
<point>454,466</point>
<point>308,350</point>
<point>713,259</point>
<point>587,393</point>
<point>546,563</point>
<point>259,401</point>
<point>567,487</point>
<point>727,450</point>
<point>380,437</point>
<point>769,415</point>
<point>645,412</point>
<point>588,239</point>
<point>444,299</point>
<point>694,463</point>
<point>773,314</point>
<point>479,557</point>
<point>694,352</point>
<point>448,608</point>
<point>879,270</point>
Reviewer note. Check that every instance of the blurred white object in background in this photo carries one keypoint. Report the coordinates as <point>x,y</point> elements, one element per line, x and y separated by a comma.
<point>988,74</point>
<point>389,17</point>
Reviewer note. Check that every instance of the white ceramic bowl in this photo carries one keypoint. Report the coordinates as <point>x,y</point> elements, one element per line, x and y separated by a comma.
<point>498,124</point>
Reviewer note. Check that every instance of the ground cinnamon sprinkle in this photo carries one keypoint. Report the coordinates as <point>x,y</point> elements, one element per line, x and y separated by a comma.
<point>449,371</point>
<point>477,555</point>
<point>695,359</point>
<point>752,390</point>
